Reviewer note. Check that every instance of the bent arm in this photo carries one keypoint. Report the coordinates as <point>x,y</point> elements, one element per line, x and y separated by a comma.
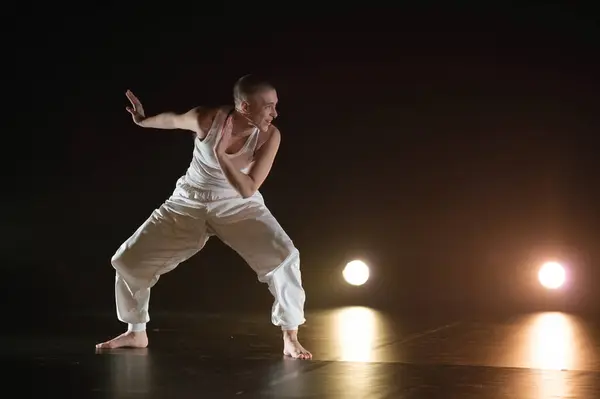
<point>249,184</point>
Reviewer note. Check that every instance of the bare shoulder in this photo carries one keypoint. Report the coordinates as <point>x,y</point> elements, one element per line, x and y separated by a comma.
<point>203,114</point>
<point>201,118</point>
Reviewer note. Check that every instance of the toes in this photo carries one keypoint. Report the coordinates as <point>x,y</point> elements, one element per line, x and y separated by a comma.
<point>304,355</point>
<point>297,353</point>
<point>105,345</point>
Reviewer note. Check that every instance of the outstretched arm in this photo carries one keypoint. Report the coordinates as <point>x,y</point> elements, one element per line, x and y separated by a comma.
<point>172,120</point>
<point>190,120</point>
<point>248,184</point>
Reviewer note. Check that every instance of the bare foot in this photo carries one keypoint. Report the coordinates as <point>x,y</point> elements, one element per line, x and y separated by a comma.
<point>129,339</point>
<point>292,347</point>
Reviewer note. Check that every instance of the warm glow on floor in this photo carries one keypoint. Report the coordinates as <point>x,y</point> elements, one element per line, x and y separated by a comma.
<point>356,272</point>
<point>356,333</point>
<point>552,351</point>
<point>551,342</point>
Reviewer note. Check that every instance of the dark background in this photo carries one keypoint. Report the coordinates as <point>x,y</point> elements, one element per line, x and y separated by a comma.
<point>453,149</point>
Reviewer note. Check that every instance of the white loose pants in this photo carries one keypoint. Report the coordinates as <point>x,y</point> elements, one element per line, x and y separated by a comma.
<point>181,227</point>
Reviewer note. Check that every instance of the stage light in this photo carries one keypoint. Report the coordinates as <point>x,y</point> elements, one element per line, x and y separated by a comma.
<point>551,275</point>
<point>356,272</point>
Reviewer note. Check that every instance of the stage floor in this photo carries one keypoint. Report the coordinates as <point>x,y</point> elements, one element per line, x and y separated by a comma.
<point>358,353</point>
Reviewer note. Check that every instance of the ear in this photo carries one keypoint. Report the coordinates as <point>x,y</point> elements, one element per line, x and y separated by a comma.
<point>245,107</point>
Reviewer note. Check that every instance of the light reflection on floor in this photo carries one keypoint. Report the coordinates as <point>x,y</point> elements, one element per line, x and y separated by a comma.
<point>544,341</point>
<point>356,330</point>
<point>358,352</point>
<point>550,344</point>
<point>552,350</point>
<point>551,341</point>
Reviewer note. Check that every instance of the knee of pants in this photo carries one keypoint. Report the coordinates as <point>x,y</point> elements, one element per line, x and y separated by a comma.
<point>131,270</point>
<point>290,266</point>
<point>133,264</point>
<point>122,261</point>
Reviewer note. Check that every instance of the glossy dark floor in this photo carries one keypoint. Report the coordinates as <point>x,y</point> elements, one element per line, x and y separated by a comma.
<point>358,353</point>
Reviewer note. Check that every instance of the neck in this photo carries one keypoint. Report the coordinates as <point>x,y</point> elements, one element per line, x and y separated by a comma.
<point>241,123</point>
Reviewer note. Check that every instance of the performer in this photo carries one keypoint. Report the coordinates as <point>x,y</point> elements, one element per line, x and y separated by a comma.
<point>234,150</point>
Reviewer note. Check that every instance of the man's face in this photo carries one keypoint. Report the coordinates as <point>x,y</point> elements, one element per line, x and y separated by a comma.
<point>261,108</point>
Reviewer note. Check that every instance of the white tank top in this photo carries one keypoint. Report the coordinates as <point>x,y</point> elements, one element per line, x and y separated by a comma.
<point>204,171</point>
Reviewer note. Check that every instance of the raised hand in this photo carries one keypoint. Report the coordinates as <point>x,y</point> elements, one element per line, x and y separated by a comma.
<point>136,110</point>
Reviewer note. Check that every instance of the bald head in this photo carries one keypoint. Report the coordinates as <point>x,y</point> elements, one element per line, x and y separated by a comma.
<point>247,87</point>
<point>256,99</point>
